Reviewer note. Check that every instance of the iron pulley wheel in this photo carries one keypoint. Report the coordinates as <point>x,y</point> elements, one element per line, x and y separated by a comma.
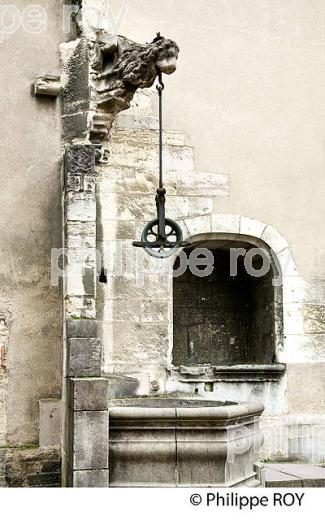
<point>161,247</point>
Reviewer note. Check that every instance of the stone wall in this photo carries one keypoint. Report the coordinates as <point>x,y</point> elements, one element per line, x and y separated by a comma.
<point>30,467</point>
<point>249,122</point>
<point>251,118</point>
<point>135,306</point>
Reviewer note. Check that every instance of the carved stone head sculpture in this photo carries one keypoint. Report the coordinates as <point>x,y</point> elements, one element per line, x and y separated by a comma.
<point>119,67</point>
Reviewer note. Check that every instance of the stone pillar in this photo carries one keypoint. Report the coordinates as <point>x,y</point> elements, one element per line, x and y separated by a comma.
<point>86,393</point>
<point>88,432</point>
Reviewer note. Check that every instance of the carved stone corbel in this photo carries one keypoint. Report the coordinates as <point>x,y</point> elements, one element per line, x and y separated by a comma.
<point>47,86</point>
<point>118,68</point>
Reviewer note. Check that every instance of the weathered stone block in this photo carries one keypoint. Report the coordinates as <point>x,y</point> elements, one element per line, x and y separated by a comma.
<point>81,279</point>
<point>80,207</point>
<point>127,288</point>
<point>50,422</point>
<point>311,377</point>
<point>303,348</point>
<point>130,122</point>
<point>80,183</point>
<point>314,318</point>
<point>76,91</point>
<point>80,235</point>
<point>125,207</point>
<point>293,322</point>
<point>154,311</point>
<point>251,227</point>
<point>201,183</point>
<point>75,125</point>
<point>122,310</point>
<point>287,263</point>
<point>89,394</point>
<point>80,274</point>
<point>80,159</point>
<point>81,328</point>
<point>274,239</point>
<point>314,290</point>
<point>77,307</point>
<point>121,386</point>
<point>306,474</point>
<point>84,357</point>
<point>133,181</point>
<point>43,480</point>
<point>225,223</point>
<point>32,467</point>
<point>176,158</point>
<point>90,440</point>
<point>196,225</point>
<point>97,478</point>
<point>145,136</point>
<point>186,207</point>
<point>274,478</point>
<point>108,230</point>
<point>135,342</point>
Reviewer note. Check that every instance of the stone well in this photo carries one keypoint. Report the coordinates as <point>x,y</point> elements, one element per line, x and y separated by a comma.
<point>175,442</point>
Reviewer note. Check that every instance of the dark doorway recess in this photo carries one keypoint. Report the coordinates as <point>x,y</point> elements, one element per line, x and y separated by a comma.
<point>226,320</point>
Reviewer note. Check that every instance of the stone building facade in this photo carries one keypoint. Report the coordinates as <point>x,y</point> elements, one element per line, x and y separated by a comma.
<point>243,166</point>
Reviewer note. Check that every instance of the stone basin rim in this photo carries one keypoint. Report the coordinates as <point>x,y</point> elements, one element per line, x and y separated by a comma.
<point>182,408</point>
<point>168,402</point>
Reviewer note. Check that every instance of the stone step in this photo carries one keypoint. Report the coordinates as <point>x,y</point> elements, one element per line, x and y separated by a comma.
<point>175,157</point>
<point>294,475</point>
<point>275,478</point>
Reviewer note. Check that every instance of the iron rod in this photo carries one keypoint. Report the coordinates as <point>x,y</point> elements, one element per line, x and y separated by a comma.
<point>160,89</point>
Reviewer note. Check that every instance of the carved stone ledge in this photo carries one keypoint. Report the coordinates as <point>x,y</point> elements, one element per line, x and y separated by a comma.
<point>100,78</point>
<point>232,373</point>
<point>47,86</point>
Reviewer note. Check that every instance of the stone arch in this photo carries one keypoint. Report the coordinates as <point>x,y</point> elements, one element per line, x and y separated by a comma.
<point>258,234</point>
<point>243,225</point>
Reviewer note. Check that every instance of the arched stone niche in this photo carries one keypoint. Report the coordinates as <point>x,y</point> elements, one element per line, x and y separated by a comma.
<point>242,229</point>
<point>230,311</point>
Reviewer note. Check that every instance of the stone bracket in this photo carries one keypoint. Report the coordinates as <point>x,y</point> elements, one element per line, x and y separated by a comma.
<point>49,86</point>
<point>231,373</point>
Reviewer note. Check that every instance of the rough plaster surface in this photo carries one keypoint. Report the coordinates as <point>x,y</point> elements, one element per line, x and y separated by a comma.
<point>293,437</point>
<point>3,408</point>
<point>30,223</point>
